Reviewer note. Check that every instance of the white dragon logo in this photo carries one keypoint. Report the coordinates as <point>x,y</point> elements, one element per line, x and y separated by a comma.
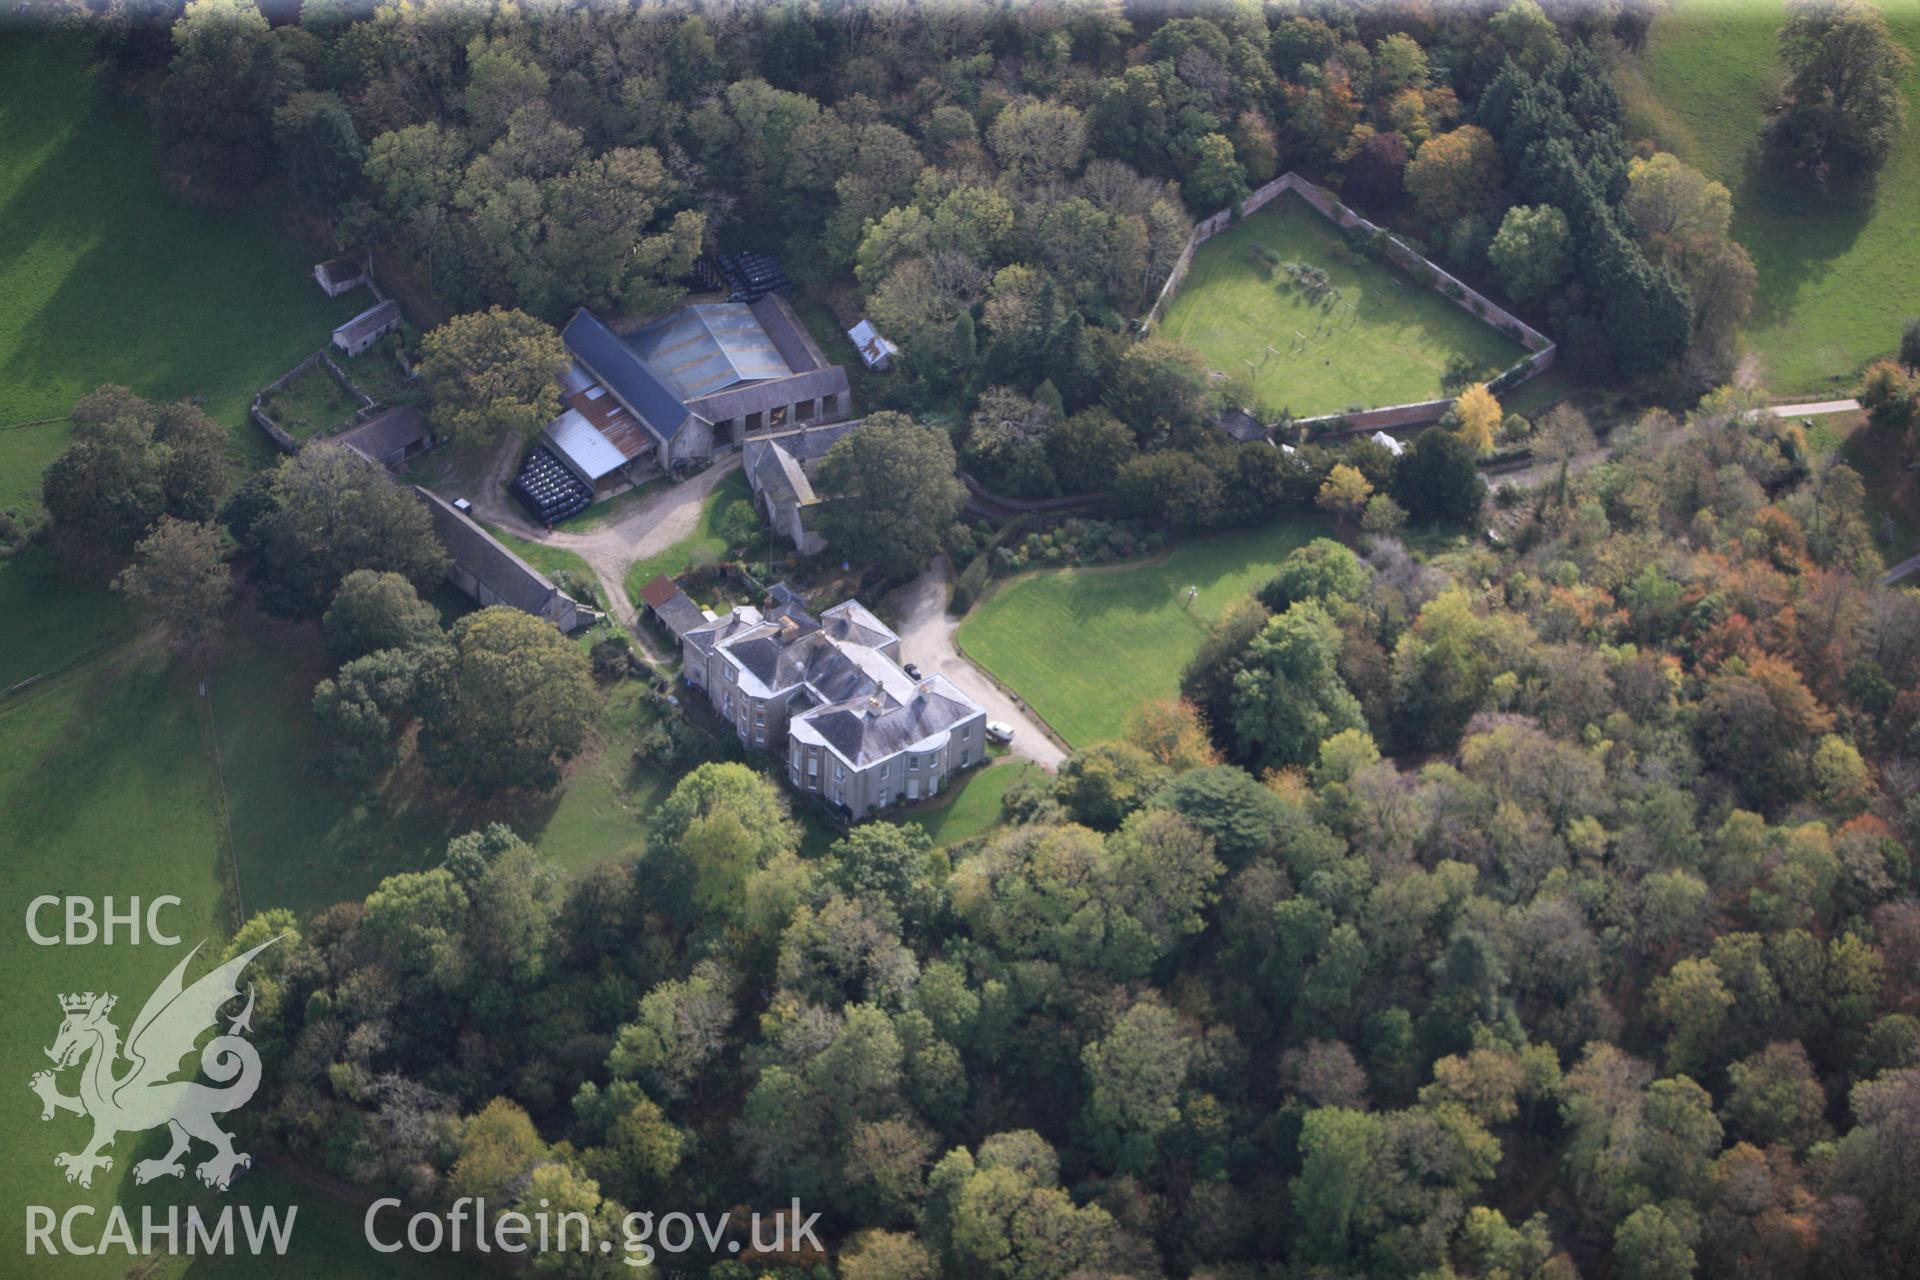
<point>147,1096</point>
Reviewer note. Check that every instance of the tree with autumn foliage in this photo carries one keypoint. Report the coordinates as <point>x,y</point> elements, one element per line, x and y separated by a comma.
<point>1344,492</point>
<point>1478,415</point>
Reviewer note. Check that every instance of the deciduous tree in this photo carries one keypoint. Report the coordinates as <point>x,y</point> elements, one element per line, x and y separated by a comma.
<point>506,705</point>
<point>492,373</point>
<point>892,492</point>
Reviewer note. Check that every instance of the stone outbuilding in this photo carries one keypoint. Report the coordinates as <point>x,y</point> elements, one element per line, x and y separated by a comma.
<point>367,328</point>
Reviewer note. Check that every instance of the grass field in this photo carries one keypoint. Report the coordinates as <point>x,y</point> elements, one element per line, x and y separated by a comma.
<point>48,622</point>
<point>703,546</point>
<point>305,841</point>
<point>117,778</point>
<point>104,277</point>
<point>106,790</point>
<point>974,805</point>
<point>1837,275</point>
<point>1384,340</point>
<point>1085,647</point>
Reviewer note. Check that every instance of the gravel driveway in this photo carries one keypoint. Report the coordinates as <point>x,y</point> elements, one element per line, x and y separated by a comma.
<point>926,637</point>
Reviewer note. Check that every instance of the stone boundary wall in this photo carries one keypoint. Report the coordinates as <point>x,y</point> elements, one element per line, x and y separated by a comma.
<point>1540,348</point>
<point>274,432</point>
<point>1420,412</point>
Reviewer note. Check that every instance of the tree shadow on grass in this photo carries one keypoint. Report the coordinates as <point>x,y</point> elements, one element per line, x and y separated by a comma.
<point>303,839</point>
<point>1795,231</point>
<point>110,279</point>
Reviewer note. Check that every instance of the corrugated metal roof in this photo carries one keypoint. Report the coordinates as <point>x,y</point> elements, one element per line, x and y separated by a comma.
<point>621,369</point>
<point>709,347</point>
<point>589,451</point>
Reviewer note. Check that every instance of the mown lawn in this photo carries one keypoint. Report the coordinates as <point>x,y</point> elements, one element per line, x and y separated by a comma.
<point>974,805</point>
<point>105,277</point>
<point>1836,273</point>
<point>1382,340</point>
<point>1086,647</point>
<point>703,546</point>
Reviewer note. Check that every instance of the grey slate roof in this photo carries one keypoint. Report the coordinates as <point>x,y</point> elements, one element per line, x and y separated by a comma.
<point>728,625</point>
<point>387,435</point>
<point>789,337</point>
<point>502,572</point>
<point>812,443</point>
<point>625,374</point>
<point>851,620</point>
<point>680,615</point>
<point>372,320</point>
<point>1241,426</point>
<point>865,733</point>
<point>777,473</point>
<point>839,680</point>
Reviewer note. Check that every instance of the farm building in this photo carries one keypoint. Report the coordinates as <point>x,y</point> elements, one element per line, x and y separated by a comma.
<point>484,569</point>
<point>700,380</point>
<point>874,349</point>
<point>666,601</point>
<point>390,438</point>
<point>365,329</point>
<point>341,274</point>
<point>779,471</point>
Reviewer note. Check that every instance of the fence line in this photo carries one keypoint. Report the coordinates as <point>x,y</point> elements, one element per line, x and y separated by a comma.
<point>1540,348</point>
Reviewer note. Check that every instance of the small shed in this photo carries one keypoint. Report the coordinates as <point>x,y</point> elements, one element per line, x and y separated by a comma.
<point>667,602</point>
<point>1241,425</point>
<point>1388,443</point>
<point>340,275</point>
<point>874,349</point>
<point>365,329</point>
<point>390,438</point>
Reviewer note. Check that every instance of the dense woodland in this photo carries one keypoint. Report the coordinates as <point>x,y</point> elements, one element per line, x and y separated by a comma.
<point>1526,910</point>
<point>1537,913</point>
<point>1002,187</point>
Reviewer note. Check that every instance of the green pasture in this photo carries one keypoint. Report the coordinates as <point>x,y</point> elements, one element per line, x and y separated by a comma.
<point>106,277</point>
<point>1838,273</point>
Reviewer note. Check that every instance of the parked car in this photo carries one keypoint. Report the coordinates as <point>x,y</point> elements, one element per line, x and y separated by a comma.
<point>999,731</point>
<point>911,670</point>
